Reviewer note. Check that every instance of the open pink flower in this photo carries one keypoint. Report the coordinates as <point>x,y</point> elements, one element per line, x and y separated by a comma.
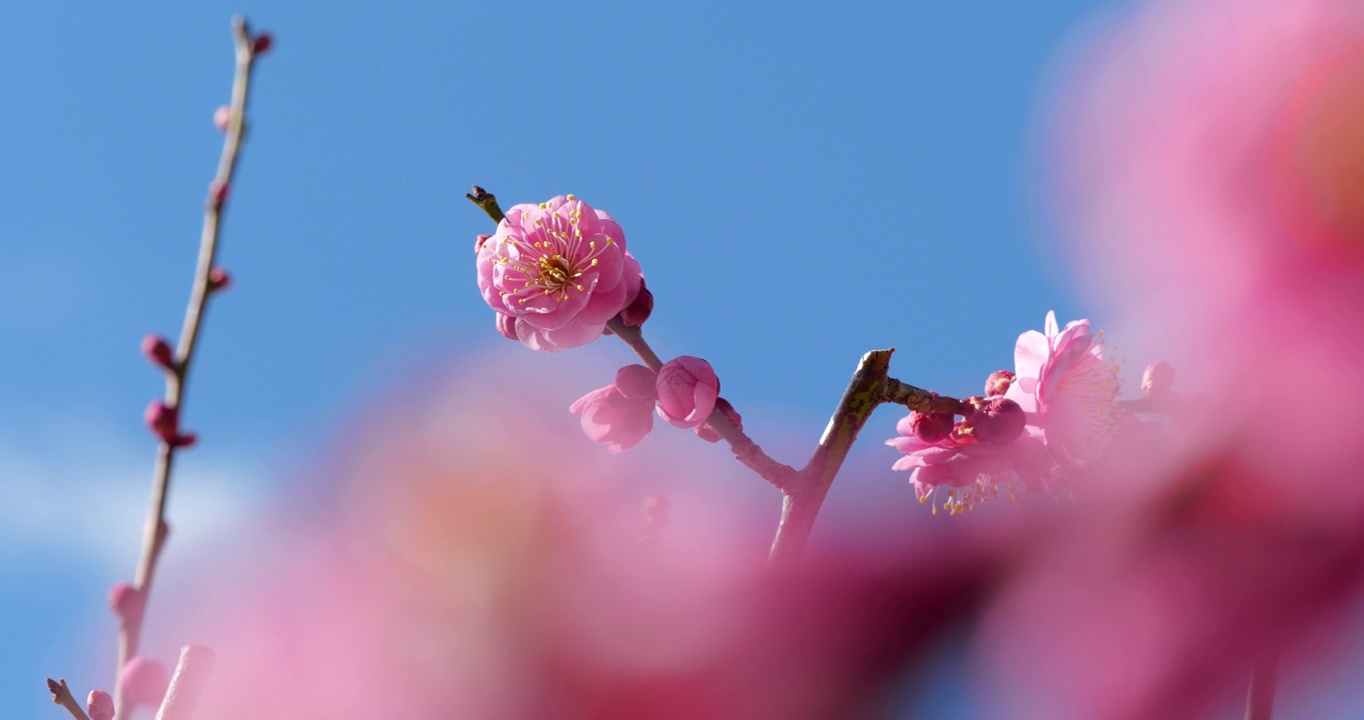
<point>558,271</point>
<point>1068,388</point>
<point>973,472</point>
<point>687,391</point>
<point>621,413</point>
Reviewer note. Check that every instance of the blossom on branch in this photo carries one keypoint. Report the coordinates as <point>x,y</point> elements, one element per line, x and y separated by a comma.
<point>687,391</point>
<point>621,413</point>
<point>1068,387</point>
<point>557,272</point>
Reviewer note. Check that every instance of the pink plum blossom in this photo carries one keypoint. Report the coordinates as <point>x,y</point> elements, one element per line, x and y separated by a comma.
<point>144,681</point>
<point>687,391</point>
<point>558,271</point>
<point>974,472</point>
<point>621,413</point>
<point>1068,387</point>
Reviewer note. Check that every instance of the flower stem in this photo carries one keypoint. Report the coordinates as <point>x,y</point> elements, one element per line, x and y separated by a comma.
<point>156,529</point>
<point>61,695</point>
<point>487,202</point>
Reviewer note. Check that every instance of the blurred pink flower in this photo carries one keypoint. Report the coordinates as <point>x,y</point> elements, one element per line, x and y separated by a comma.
<point>1068,387</point>
<point>621,413</point>
<point>144,681</point>
<point>559,271</point>
<point>687,391</point>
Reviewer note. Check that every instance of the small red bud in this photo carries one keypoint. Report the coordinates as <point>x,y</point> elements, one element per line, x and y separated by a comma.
<point>639,309</point>
<point>126,601</point>
<point>262,44</point>
<point>219,279</point>
<point>162,421</point>
<point>1158,379</point>
<point>994,420</point>
<point>930,427</point>
<point>158,351</point>
<point>99,705</point>
<point>217,194</point>
<point>998,383</point>
<point>222,117</point>
<point>185,440</point>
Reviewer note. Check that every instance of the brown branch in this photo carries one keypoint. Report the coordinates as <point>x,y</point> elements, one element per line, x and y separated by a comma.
<point>61,695</point>
<point>487,202</point>
<point>918,399</point>
<point>156,529</point>
<point>188,682</point>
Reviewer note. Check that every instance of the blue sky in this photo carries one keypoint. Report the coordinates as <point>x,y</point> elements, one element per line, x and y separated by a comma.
<point>800,185</point>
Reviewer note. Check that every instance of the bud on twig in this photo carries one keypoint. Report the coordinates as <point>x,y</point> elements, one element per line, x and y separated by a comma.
<point>99,705</point>
<point>219,279</point>
<point>158,351</point>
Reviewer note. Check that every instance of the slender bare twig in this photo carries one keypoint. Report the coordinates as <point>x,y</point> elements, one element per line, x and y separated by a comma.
<point>61,695</point>
<point>156,529</point>
<point>188,682</point>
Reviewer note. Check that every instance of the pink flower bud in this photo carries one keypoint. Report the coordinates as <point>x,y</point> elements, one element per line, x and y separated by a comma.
<point>144,681</point>
<point>262,44</point>
<point>639,309</point>
<point>620,414</point>
<point>99,706</point>
<point>998,383</point>
<point>185,441</point>
<point>127,602</point>
<point>1158,379</point>
<point>162,421</point>
<point>217,195</point>
<point>930,427</point>
<point>687,390</point>
<point>636,382</point>
<point>222,117</point>
<point>158,351</point>
<point>994,420</point>
<point>219,279</point>
<point>706,433</point>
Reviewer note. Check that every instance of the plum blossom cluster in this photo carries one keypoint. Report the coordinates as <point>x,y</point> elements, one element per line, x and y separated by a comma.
<point>684,392</point>
<point>1036,425</point>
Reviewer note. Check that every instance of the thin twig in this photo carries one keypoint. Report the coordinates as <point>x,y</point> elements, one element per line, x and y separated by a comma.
<point>156,529</point>
<point>61,695</point>
<point>188,682</point>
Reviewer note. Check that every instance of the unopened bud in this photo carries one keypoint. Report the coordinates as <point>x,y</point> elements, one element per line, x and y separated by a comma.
<point>144,681</point>
<point>998,383</point>
<point>219,279</point>
<point>1158,379</point>
<point>222,117</point>
<point>184,440</point>
<point>162,421</point>
<point>262,44</point>
<point>639,309</point>
<point>127,602</point>
<point>217,195</point>
<point>99,706</point>
<point>706,433</point>
<point>930,427</point>
<point>994,420</point>
<point>158,351</point>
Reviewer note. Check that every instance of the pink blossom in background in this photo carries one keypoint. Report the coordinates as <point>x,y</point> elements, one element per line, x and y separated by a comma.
<point>621,413</point>
<point>687,391</point>
<point>970,473</point>
<point>558,271</point>
<point>144,681</point>
<point>1068,386</point>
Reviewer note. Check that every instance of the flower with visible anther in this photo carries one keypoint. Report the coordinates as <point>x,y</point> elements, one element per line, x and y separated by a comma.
<point>558,271</point>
